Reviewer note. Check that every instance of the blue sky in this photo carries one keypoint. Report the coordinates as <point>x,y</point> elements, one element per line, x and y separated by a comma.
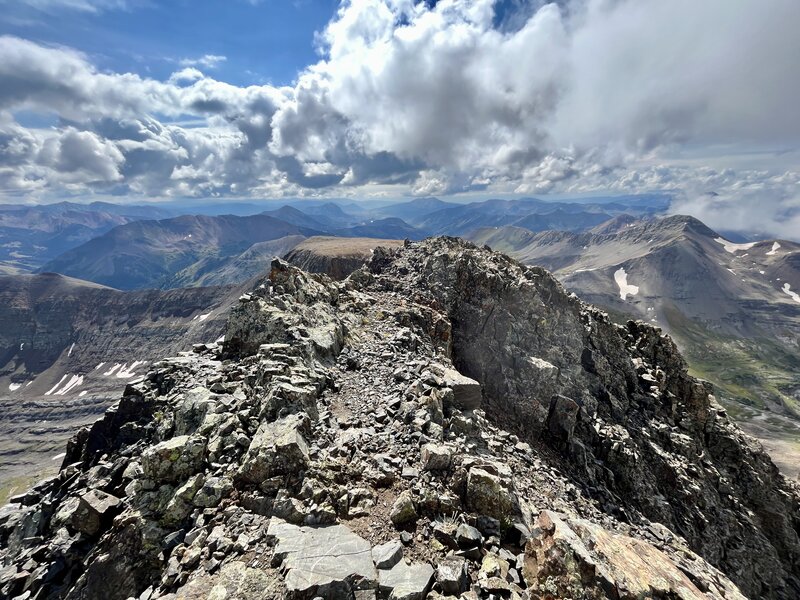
<point>262,42</point>
<point>140,100</point>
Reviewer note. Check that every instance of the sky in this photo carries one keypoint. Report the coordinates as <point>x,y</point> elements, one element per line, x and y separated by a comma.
<point>142,100</point>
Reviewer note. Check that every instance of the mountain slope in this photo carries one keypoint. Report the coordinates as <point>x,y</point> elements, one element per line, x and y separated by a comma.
<point>150,253</point>
<point>730,306</point>
<point>390,228</point>
<point>232,270</point>
<point>67,347</point>
<point>567,457</point>
<point>32,235</point>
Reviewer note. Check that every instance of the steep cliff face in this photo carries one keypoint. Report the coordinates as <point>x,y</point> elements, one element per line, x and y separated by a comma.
<point>445,421</point>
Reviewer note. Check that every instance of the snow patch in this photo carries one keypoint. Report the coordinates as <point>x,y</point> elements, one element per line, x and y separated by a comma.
<point>734,248</point>
<point>204,317</point>
<point>775,247</point>
<point>59,456</point>
<point>71,348</point>
<point>14,386</point>
<point>110,372</point>
<point>621,277</point>
<point>56,386</point>
<point>74,382</point>
<point>794,295</point>
<point>100,366</point>
<point>126,372</point>
<point>82,394</point>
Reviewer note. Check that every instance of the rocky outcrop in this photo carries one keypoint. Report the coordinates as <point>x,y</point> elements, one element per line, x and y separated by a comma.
<point>577,559</point>
<point>337,257</point>
<point>444,422</point>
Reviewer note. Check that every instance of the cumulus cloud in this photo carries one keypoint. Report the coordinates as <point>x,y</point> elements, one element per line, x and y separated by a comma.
<point>426,98</point>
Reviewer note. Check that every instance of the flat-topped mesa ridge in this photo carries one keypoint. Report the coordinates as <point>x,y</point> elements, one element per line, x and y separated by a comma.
<point>337,257</point>
<point>444,421</point>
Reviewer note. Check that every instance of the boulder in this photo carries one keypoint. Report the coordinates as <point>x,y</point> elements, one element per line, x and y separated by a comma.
<point>577,558</point>
<point>94,510</point>
<point>466,392</point>
<point>191,411</point>
<point>468,537</point>
<point>452,575</point>
<point>487,495</point>
<point>403,510</point>
<point>493,566</point>
<point>234,580</point>
<point>406,582</point>
<point>436,457</point>
<point>212,492</point>
<point>175,459</point>
<point>180,505</point>
<point>278,448</point>
<point>387,555</point>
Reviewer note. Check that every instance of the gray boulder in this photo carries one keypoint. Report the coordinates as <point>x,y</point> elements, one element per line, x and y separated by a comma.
<point>452,575</point>
<point>403,510</point>
<point>436,457</point>
<point>175,459</point>
<point>94,510</point>
<point>387,555</point>
<point>278,448</point>
<point>468,537</point>
<point>212,492</point>
<point>487,495</point>
<point>466,391</point>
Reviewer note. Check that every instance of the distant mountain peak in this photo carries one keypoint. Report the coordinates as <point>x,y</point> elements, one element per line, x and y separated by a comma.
<point>687,222</point>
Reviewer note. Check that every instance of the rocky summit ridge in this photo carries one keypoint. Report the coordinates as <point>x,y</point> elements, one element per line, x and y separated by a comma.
<point>444,423</point>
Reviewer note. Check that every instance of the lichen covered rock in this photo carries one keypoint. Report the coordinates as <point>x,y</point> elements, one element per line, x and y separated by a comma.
<point>174,459</point>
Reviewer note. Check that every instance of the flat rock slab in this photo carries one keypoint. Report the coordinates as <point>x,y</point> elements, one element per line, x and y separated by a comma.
<point>407,582</point>
<point>387,555</point>
<point>235,581</point>
<point>329,562</point>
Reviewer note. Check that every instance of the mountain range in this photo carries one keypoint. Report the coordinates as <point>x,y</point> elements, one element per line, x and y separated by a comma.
<point>731,306</point>
<point>32,235</point>
<point>200,249</point>
<point>444,423</point>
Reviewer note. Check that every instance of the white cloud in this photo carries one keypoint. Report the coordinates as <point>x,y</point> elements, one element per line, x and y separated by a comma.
<point>186,75</point>
<point>208,61</point>
<point>587,95</point>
